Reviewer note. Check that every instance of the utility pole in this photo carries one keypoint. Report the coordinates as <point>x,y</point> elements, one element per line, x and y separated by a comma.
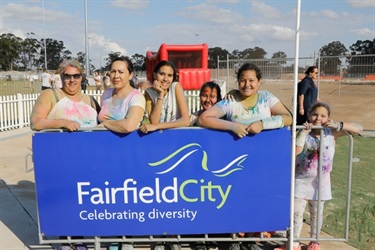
<point>45,43</point>
<point>87,43</point>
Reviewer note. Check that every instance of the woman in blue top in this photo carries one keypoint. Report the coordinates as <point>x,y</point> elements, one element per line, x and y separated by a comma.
<point>251,111</point>
<point>307,93</point>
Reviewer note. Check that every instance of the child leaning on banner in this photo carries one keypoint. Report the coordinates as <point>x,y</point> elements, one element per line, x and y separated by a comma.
<point>307,165</point>
<point>246,111</point>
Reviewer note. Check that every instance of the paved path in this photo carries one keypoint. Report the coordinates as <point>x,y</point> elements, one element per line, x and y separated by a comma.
<point>18,214</point>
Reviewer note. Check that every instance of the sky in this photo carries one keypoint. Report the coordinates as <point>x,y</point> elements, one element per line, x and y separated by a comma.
<point>137,26</point>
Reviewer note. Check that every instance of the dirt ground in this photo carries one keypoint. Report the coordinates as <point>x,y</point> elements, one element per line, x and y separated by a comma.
<point>349,102</point>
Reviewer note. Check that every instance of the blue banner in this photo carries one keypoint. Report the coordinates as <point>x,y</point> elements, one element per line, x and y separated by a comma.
<point>177,181</point>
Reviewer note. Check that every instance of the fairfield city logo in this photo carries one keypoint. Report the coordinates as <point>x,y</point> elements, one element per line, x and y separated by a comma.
<point>166,191</point>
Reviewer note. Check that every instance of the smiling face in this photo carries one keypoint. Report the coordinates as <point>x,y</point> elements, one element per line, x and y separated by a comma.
<point>165,76</point>
<point>72,80</point>
<point>319,116</point>
<point>208,97</point>
<point>119,74</point>
<point>248,83</point>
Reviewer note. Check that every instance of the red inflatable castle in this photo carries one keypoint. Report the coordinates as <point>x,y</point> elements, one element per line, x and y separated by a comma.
<point>190,60</point>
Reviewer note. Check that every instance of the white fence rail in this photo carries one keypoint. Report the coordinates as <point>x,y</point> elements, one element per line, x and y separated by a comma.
<point>15,110</point>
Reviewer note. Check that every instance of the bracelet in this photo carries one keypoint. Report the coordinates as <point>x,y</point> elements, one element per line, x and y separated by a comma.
<point>340,126</point>
<point>159,98</point>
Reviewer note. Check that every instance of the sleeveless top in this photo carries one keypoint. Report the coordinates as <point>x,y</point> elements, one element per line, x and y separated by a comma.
<point>71,110</point>
<point>170,111</point>
<point>114,109</point>
<point>307,163</point>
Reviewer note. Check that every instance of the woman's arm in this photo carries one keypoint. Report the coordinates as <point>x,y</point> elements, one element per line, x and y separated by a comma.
<point>41,109</point>
<point>280,109</point>
<point>211,119</point>
<point>183,121</point>
<point>301,99</point>
<point>153,110</point>
<point>128,124</point>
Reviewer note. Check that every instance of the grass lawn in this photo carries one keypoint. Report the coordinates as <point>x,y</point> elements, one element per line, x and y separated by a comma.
<point>362,205</point>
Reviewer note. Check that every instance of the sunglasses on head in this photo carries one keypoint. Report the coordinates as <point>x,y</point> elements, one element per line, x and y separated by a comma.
<point>68,77</point>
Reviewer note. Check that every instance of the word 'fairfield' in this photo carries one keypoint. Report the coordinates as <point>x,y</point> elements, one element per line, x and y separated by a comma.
<point>130,193</point>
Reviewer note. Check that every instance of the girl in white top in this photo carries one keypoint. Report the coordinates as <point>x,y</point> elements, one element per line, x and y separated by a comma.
<point>307,181</point>
<point>251,111</point>
<point>165,101</point>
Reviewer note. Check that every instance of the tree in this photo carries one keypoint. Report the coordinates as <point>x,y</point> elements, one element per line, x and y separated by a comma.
<point>81,57</point>
<point>255,53</point>
<point>213,54</point>
<point>278,69</point>
<point>110,58</point>
<point>360,65</point>
<point>9,48</point>
<point>235,54</point>
<point>330,63</point>
<point>56,53</point>
<point>366,47</point>
<point>29,53</point>
<point>279,55</point>
<point>139,62</point>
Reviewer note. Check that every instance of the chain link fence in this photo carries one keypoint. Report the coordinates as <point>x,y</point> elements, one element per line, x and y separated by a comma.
<point>353,69</point>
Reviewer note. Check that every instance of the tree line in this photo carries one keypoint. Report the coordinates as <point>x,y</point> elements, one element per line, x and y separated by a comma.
<point>28,54</point>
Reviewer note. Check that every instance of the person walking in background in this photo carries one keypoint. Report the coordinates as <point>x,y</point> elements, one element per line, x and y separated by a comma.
<point>307,94</point>
<point>57,80</point>
<point>46,80</point>
<point>251,111</point>
<point>31,81</point>
<point>165,101</point>
<point>107,80</point>
<point>67,107</point>
<point>307,183</point>
<point>209,95</point>
<point>123,106</point>
<point>98,81</point>
<point>84,82</point>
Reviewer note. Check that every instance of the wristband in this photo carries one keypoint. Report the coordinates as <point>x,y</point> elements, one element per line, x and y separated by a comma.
<point>159,98</point>
<point>272,122</point>
<point>340,125</point>
<point>301,139</point>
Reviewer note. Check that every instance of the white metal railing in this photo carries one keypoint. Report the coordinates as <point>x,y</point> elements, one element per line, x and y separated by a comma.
<point>15,110</point>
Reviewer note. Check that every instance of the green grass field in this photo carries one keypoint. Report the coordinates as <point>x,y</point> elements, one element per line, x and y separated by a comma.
<point>362,206</point>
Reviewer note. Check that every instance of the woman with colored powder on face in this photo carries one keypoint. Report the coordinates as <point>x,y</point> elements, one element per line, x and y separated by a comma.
<point>165,101</point>
<point>209,95</point>
<point>251,111</point>
<point>246,111</point>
